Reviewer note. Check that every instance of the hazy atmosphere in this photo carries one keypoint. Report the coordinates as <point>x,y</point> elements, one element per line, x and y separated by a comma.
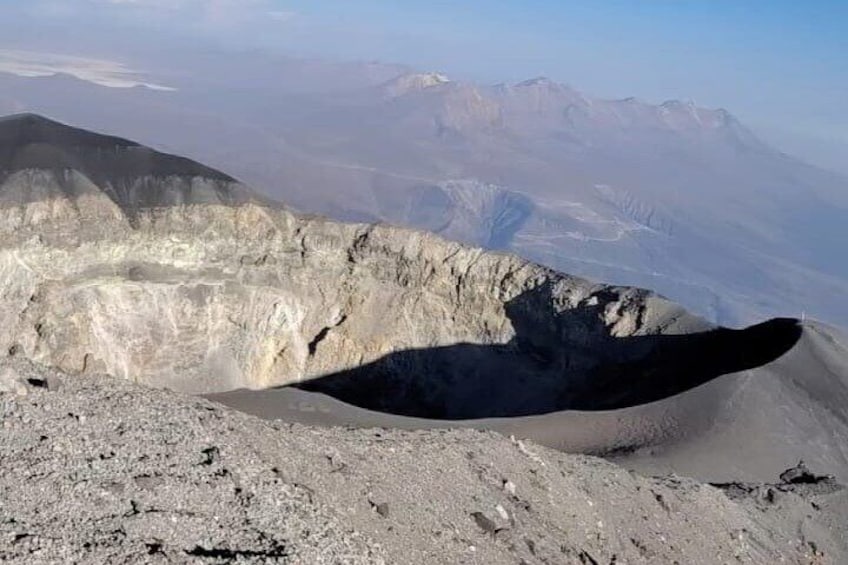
<point>779,65</point>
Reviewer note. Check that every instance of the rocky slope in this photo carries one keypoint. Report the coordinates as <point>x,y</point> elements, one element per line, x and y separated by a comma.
<point>181,278</point>
<point>116,258</point>
<point>99,470</point>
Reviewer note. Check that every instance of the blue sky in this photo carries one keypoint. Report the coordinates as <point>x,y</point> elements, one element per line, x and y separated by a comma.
<point>780,65</point>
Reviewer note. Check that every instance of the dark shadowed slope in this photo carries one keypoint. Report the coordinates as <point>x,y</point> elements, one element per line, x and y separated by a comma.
<point>744,425</point>
<point>565,364</point>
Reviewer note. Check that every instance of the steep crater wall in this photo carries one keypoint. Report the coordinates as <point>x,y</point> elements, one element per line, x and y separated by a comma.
<point>204,298</point>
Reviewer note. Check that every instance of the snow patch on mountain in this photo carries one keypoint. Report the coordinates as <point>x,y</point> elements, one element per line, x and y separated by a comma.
<point>413,82</point>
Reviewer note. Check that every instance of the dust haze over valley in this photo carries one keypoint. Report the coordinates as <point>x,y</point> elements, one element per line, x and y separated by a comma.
<point>670,196</point>
<point>269,296</point>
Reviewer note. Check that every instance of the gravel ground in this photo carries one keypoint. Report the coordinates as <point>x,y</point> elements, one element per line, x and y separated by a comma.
<point>97,470</point>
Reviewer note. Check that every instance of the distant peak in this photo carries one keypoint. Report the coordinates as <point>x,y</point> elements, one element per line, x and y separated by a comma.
<point>670,104</point>
<point>724,115</point>
<point>415,82</point>
<point>542,83</point>
<point>712,118</point>
<point>537,81</point>
<point>430,79</point>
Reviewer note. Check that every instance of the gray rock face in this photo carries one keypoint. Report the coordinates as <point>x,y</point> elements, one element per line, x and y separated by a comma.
<point>225,291</point>
<point>105,471</point>
<point>11,382</point>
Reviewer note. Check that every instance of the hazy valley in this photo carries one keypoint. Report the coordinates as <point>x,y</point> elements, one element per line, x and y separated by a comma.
<point>672,197</point>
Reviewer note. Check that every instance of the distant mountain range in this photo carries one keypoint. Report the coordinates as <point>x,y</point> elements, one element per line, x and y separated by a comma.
<point>673,197</point>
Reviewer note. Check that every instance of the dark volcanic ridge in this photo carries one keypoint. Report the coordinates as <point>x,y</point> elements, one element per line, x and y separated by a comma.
<point>131,175</point>
<point>31,141</point>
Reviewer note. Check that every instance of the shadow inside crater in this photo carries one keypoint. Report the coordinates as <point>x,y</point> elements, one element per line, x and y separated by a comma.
<point>556,361</point>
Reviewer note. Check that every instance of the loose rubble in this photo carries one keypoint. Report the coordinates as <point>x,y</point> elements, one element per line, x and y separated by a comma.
<point>99,470</point>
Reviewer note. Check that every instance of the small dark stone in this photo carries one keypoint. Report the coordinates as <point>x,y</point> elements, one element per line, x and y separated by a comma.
<point>800,474</point>
<point>770,496</point>
<point>531,546</point>
<point>230,555</point>
<point>154,548</point>
<point>661,501</point>
<point>586,559</point>
<point>212,454</point>
<point>485,523</point>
